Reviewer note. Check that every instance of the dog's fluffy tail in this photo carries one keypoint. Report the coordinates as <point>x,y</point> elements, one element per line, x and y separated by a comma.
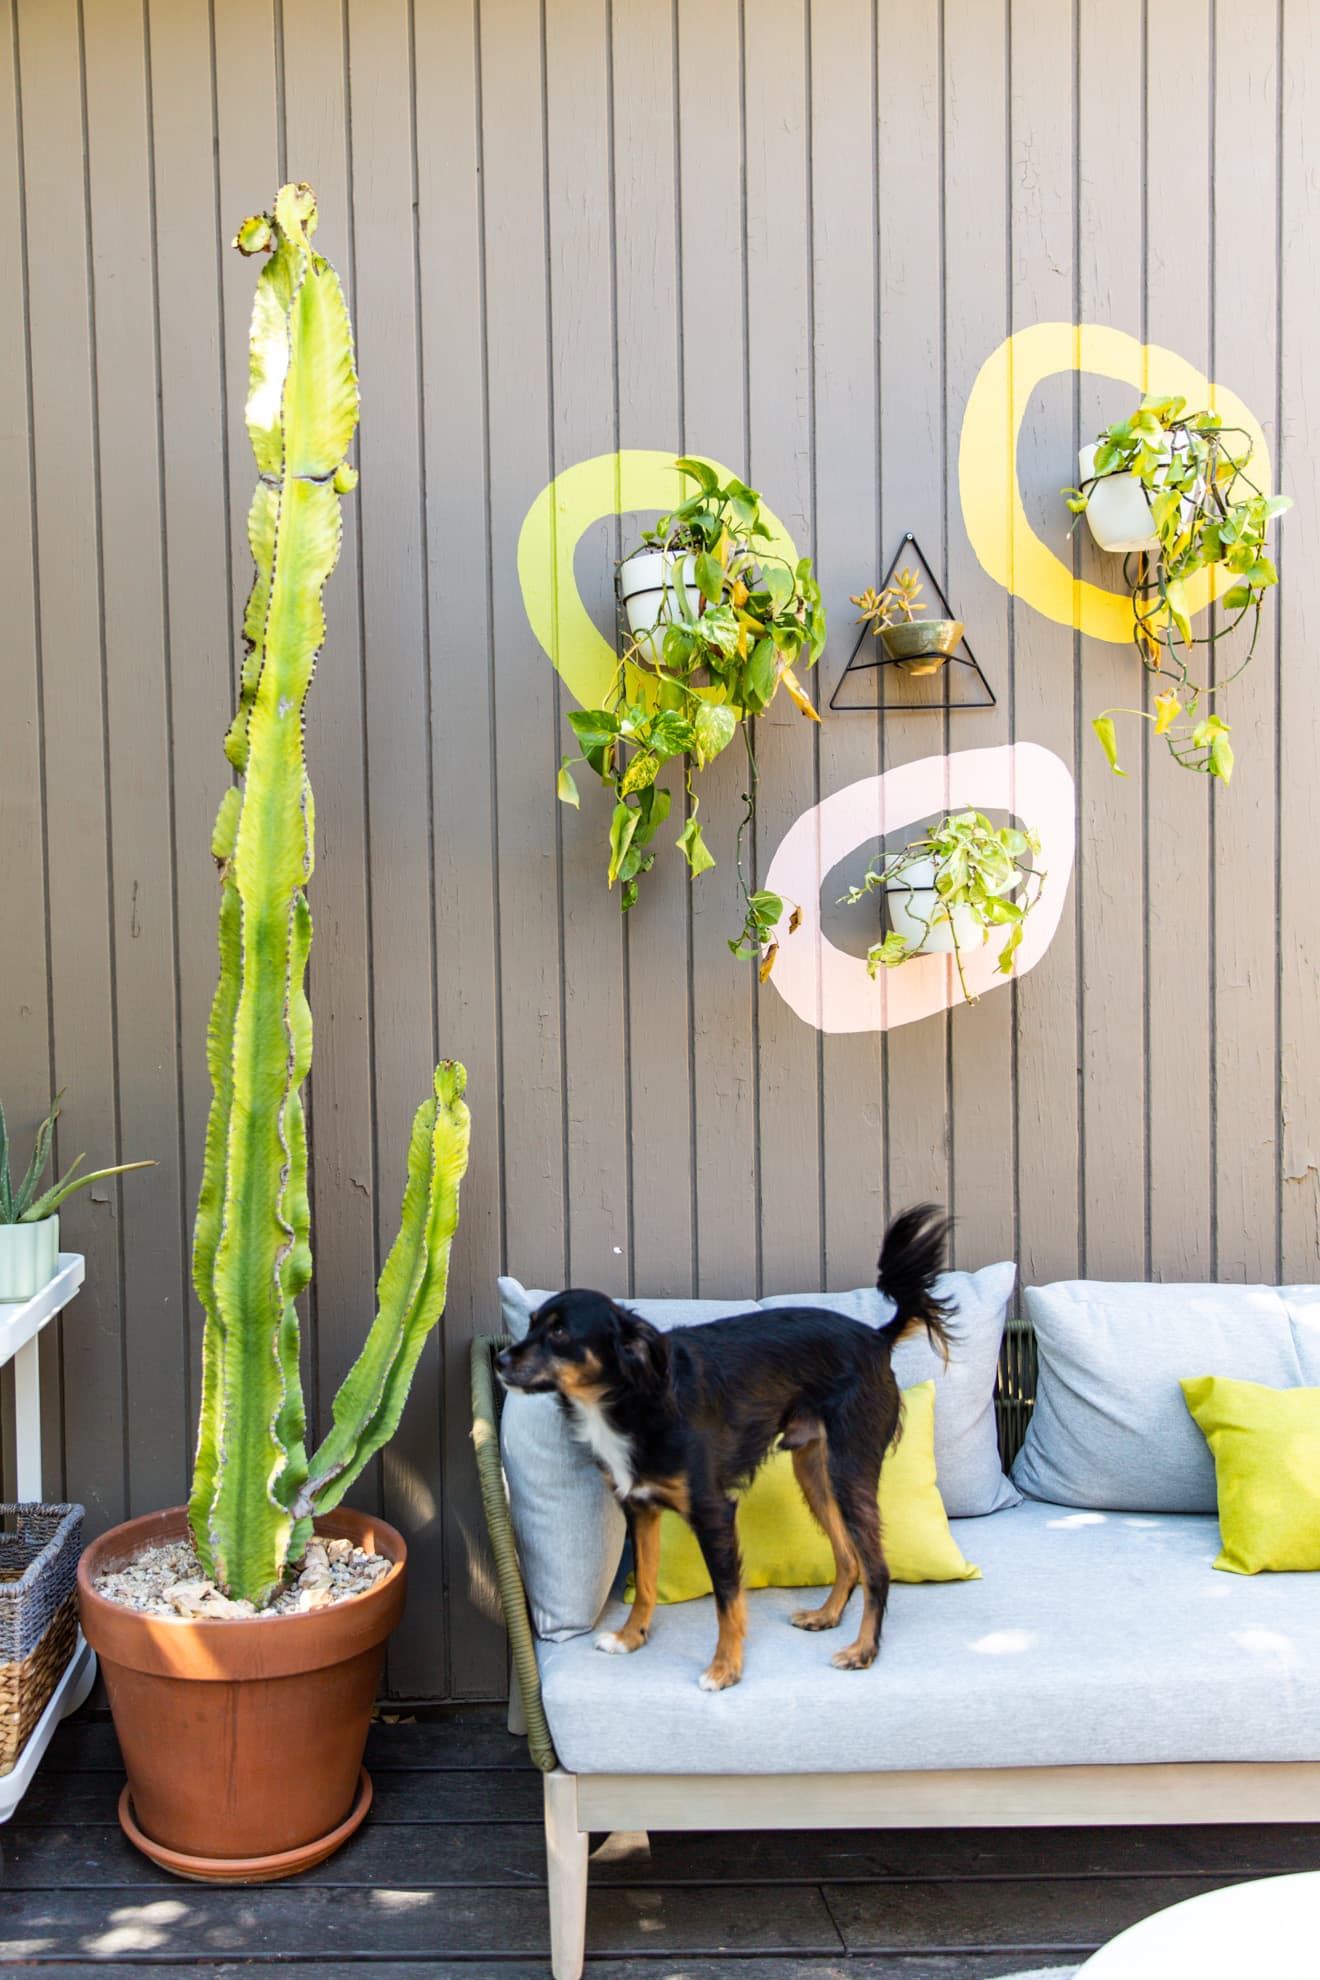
<point>911,1259</point>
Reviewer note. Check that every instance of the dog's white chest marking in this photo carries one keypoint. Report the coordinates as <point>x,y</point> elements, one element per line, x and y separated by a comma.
<point>610,1448</point>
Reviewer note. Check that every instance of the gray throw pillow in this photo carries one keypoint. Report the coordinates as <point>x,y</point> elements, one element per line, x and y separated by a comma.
<point>1110,1428</point>
<point>967,1467</point>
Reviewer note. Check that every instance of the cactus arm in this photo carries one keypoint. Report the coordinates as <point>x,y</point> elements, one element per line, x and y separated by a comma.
<point>252,1253</point>
<point>411,1294</point>
<point>206,1233</point>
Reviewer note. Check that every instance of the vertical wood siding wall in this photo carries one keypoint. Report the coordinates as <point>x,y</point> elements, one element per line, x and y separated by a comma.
<point>783,234</point>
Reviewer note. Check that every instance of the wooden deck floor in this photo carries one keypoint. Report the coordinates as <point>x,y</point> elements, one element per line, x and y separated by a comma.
<point>448,1879</point>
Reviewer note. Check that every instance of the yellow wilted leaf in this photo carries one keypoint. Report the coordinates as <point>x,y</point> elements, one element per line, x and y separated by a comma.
<point>1170,708</point>
<point>798,693</point>
<point>768,961</point>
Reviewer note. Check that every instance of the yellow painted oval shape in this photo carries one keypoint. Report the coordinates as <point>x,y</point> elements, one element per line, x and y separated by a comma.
<point>997,528</point>
<point>606,485</point>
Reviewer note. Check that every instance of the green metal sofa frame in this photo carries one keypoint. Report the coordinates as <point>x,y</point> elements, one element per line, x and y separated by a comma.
<point>578,1804</point>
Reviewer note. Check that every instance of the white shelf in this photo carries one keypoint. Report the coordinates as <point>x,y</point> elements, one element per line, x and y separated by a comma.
<point>68,1695</point>
<point>22,1320</point>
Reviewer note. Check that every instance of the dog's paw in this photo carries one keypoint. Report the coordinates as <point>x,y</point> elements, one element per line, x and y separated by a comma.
<point>857,1657</point>
<point>814,1619</point>
<point>718,1678</point>
<point>613,1644</point>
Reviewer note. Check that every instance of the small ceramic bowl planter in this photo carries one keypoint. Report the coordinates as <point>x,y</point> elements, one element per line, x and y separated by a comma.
<point>921,646</point>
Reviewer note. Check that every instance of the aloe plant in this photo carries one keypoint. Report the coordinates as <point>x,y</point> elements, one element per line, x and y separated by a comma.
<point>255,1491</point>
<point>19,1203</point>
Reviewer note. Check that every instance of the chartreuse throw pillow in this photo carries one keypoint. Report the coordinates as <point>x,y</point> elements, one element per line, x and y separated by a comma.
<point>782,1546</point>
<point>1266,1447</point>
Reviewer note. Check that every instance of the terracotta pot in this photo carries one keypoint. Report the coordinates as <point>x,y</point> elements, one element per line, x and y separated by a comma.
<point>242,1741</point>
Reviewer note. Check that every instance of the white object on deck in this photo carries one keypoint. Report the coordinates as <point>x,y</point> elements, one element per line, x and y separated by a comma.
<point>1269,1927</point>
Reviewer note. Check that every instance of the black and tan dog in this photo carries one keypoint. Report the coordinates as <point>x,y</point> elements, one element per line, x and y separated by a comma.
<point>683,1419</point>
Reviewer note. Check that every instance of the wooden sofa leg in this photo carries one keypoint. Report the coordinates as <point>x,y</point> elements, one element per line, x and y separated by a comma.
<point>566,1871</point>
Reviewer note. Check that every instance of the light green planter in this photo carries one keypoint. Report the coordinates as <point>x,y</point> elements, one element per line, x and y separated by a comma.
<point>29,1257</point>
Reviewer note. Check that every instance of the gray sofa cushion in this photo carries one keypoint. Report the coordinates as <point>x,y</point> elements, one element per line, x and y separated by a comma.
<point>1092,1638</point>
<point>1110,1427</point>
<point>967,1464</point>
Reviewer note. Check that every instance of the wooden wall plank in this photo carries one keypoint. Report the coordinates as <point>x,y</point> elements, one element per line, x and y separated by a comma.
<point>1299,691</point>
<point>1244,247</point>
<point>846,468</point>
<point>912,469</point>
<point>526,735</point>
<point>196,523</point>
<point>141,810</point>
<point>25,1068</point>
<point>1110,836</point>
<point>710,155</point>
<point>454,414</point>
<point>780,458</point>
<point>983,1123</point>
<point>400,825</point>
<point>68,543</point>
<point>581,330</point>
<point>1178,925</point>
<point>648,385</point>
<point>1041,140</point>
<point>340,1091</point>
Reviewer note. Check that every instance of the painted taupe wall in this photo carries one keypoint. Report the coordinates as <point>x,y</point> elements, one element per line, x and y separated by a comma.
<point>786,235</point>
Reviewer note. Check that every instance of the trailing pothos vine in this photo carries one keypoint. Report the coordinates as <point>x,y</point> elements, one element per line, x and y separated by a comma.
<point>733,622</point>
<point>1205,510</point>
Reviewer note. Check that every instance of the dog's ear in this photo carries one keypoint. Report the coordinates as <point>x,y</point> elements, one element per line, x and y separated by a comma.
<point>641,1348</point>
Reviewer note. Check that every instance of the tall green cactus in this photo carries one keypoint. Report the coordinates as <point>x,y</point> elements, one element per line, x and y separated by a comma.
<point>254,1489</point>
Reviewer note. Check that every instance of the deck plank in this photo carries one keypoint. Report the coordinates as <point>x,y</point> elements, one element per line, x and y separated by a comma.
<point>294,1921</point>
<point>401,1795</point>
<point>884,1966</point>
<point>1046,1916</point>
<point>475,1854</point>
<point>89,1745</point>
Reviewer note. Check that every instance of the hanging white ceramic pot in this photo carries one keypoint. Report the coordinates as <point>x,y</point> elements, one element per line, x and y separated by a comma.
<point>650,600</point>
<point>915,913</point>
<point>1117,508</point>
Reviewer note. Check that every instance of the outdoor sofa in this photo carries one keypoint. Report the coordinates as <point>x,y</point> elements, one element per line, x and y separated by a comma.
<point>1099,1672</point>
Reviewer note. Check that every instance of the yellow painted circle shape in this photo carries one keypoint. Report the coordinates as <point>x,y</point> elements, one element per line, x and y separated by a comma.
<point>606,485</point>
<point>998,530</point>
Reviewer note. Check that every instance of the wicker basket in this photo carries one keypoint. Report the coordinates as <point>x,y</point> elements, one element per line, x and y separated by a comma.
<point>39,1549</point>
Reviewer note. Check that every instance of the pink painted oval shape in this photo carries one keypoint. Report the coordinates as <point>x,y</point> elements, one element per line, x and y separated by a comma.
<point>829,988</point>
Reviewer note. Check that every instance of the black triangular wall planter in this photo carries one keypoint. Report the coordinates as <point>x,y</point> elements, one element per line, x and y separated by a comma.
<point>963,657</point>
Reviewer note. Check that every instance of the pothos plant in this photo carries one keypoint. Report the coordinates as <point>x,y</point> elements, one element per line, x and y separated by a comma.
<point>967,872</point>
<point>732,634</point>
<point>1205,511</point>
